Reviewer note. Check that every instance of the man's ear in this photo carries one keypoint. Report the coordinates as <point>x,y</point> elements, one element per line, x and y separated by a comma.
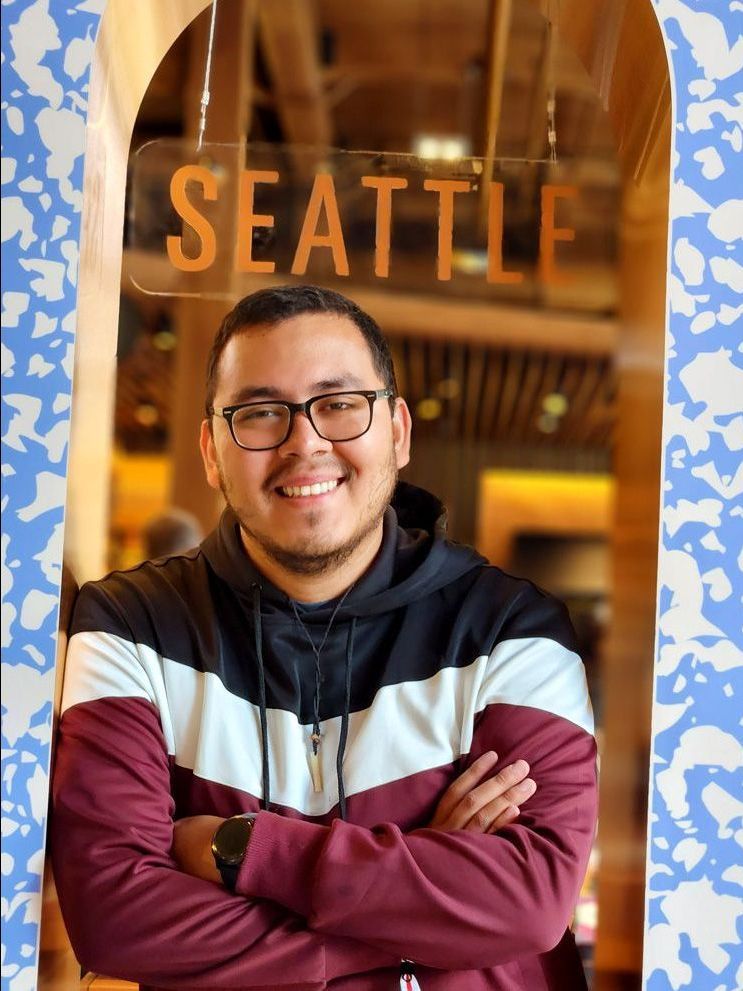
<point>402,425</point>
<point>209,454</point>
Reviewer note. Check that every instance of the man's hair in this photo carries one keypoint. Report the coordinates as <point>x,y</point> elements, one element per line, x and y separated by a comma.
<point>271,306</point>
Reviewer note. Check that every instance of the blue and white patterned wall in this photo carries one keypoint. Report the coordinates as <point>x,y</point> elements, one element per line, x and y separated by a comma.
<point>695,910</point>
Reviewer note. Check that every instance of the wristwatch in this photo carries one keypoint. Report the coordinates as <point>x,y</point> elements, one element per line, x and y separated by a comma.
<point>229,845</point>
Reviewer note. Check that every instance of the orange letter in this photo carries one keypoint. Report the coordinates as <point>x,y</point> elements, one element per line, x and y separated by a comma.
<point>446,189</point>
<point>548,233</point>
<point>495,239</point>
<point>384,187</point>
<point>322,195</point>
<point>247,220</point>
<point>190,215</point>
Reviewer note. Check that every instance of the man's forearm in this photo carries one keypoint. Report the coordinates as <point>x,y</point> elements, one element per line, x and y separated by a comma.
<point>130,912</point>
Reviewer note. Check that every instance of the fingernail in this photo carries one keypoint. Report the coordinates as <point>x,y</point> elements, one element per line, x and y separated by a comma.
<point>521,766</point>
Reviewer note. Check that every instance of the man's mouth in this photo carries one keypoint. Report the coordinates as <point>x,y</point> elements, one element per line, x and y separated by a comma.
<point>315,489</point>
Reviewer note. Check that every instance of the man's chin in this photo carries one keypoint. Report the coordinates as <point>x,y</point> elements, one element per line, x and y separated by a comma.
<point>309,557</point>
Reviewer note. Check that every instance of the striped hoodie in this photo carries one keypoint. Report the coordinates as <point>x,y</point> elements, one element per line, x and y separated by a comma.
<point>190,689</point>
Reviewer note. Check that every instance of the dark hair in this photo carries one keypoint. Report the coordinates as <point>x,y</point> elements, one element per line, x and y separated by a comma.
<point>273,305</point>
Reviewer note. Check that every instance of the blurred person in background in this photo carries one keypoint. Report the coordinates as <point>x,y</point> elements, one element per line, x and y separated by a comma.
<point>327,748</point>
<point>171,532</point>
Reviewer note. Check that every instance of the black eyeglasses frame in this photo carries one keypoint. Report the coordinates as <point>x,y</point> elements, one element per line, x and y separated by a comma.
<point>227,413</point>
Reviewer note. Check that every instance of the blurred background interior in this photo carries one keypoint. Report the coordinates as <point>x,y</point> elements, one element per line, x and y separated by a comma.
<point>536,407</point>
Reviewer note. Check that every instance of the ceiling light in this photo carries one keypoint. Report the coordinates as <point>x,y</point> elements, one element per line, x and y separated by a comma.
<point>164,340</point>
<point>448,147</point>
<point>547,423</point>
<point>555,404</point>
<point>448,388</point>
<point>146,415</point>
<point>428,409</point>
<point>470,261</point>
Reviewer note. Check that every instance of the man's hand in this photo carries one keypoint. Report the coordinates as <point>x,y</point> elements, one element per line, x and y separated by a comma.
<point>192,846</point>
<point>484,806</point>
<point>468,803</point>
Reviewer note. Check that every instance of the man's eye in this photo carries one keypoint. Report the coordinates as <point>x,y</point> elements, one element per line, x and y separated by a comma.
<point>250,416</point>
<point>340,404</point>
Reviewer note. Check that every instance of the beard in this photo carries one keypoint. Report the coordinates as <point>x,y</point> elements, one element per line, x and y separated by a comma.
<point>314,554</point>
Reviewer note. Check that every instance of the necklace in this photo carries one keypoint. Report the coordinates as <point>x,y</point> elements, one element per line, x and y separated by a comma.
<point>316,735</point>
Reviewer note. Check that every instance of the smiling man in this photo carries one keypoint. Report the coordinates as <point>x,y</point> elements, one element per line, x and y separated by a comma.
<point>327,748</point>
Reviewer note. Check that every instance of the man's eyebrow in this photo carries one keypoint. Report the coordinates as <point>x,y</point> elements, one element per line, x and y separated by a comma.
<point>344,381</point>
<point>250,393</point>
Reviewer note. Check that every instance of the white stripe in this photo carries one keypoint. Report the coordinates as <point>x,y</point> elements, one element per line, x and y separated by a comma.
<point>539,673</point>
<point>409,728</point>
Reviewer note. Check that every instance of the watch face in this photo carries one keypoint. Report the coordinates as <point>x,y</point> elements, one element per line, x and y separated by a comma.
<point>231,839</point>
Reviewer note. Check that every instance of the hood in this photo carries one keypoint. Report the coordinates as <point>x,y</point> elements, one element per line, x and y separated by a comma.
<point>415,559</point>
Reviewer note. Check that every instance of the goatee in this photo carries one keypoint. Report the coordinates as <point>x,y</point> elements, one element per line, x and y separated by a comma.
<point>309,560</point>
<point>305,562</point>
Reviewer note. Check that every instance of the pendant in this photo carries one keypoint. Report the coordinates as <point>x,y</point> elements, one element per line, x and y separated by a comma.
<point>315,766</point>
<point>408,980</point>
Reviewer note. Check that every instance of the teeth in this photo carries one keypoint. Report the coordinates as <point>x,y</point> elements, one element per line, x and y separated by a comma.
<point>305,490</point>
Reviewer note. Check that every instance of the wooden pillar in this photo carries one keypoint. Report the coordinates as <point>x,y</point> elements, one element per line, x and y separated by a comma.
<point>627,673</point>
<point>133,37</point>
<point>197,319</point>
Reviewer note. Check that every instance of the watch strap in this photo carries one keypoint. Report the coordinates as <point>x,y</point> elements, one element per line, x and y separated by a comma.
<point>229,874</point>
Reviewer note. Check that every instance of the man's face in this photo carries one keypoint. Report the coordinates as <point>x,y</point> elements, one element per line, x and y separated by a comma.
<point>294,360</point>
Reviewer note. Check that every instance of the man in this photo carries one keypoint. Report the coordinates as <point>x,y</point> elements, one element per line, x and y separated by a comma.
<point>370,695</point>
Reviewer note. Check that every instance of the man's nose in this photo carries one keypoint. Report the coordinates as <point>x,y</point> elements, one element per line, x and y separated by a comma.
<point>303,438</point>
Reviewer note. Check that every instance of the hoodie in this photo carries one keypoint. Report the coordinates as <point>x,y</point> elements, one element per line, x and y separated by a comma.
<point>190,688</point>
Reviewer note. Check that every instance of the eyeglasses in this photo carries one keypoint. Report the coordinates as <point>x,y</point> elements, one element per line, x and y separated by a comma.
<point>335,416</point>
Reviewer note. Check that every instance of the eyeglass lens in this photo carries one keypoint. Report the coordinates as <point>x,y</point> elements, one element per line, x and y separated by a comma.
<point>336,417</point>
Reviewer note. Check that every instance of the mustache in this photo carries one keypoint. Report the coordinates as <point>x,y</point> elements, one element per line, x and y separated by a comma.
<point>283,474</point>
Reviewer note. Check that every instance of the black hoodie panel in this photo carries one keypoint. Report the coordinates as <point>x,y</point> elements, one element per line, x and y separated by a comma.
<point>425,604</point>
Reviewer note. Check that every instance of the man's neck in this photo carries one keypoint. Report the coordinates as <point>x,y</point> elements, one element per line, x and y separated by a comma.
<point>319,587</point>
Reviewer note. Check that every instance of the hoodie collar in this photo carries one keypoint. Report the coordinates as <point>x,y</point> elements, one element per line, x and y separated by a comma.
<point>414,557</point>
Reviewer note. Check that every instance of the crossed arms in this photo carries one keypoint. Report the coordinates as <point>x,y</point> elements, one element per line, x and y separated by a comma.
<point>296,919</point>
<point>315,902</point>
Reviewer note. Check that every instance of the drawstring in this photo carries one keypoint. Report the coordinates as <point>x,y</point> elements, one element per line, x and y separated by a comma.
<point>344,722</point>
<point>258,634</point>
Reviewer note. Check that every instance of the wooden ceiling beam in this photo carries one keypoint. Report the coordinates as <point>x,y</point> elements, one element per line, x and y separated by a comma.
<point>289,39</point>
<point>491,324</point>
<point>461,320</point>
<point>621,46</point>
<point>499,24</point>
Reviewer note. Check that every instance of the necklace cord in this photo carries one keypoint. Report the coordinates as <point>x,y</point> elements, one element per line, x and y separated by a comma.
<point>317,650</point>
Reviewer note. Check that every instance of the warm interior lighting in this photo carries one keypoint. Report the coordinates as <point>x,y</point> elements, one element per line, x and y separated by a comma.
<point>448,388</point>
<point>555,404</point>
<point>146,414</point>
<point>164,340</point>
<point>547,423</point>
<point>441,146</point>
<point>428,409</point>
<point>470,261</point>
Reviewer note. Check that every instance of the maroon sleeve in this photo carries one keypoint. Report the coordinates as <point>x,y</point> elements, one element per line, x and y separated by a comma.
<point>455,900</point>
<point>129,911</point>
